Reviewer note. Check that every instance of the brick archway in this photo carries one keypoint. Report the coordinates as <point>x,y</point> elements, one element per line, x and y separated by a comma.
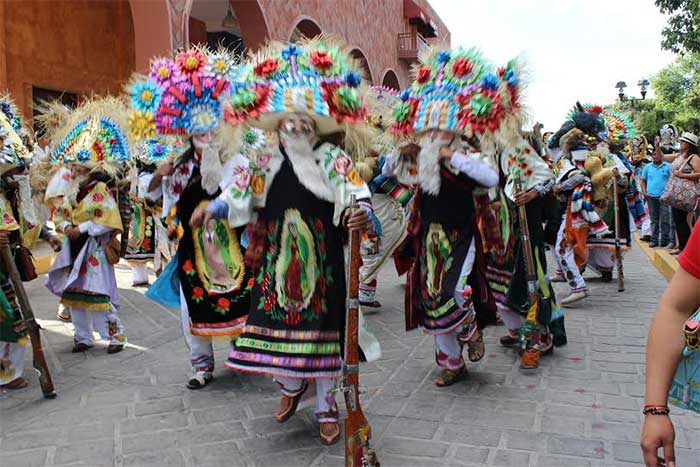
<point>391,80</point>
<point>360,56</point>
<point>305,27</point>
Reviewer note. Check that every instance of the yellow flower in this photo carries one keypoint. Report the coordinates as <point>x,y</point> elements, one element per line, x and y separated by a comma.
<point>355,178</point>
<point>142,125</point>
<point>163,72</point>
<point>257,184</point>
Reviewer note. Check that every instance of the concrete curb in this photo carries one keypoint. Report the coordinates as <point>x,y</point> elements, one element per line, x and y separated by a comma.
<point>665,263</point>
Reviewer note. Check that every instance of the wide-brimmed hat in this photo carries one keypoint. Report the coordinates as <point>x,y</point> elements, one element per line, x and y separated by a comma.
<point>690,138</point>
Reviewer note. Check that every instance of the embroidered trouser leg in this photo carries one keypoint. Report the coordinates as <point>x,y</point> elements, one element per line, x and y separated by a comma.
<point>139,273</point>
<point>106,323</point>
<point>201,350</point>
<point>11,361</point>
<point>82,325</point>
<point>326,407</point>
<point>564,254</point>
<point>368,291</point>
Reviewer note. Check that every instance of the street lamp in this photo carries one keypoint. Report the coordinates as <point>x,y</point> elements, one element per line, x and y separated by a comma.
<point>643,86</point>
<point>621,85</point>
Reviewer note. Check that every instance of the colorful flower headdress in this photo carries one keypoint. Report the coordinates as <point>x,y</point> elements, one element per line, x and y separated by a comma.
<point>154,151</point>
<point>317,77</point>
<point>619,125</point>
<point>93,135</point>
<point>459,91</point>
<point>12,150</point>
<point>183,95</point>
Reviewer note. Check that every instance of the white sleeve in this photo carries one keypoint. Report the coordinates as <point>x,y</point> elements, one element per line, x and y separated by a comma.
<point>389,167</point>
<point>92,229</point>
<point>477,170</point>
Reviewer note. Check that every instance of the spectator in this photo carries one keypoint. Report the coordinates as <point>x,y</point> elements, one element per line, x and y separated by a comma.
<point>664,348</point>
<point>686,165</point>
<point>654,178</point>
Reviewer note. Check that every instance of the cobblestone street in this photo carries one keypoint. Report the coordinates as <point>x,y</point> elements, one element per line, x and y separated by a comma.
<point>582,408</point>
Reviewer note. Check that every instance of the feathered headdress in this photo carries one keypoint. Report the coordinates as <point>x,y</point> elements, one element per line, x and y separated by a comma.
<point>619,125</point>
<point>316,77</point>
<point>12,149</point>
<point>93,135</point>
<point>460,91</point>
<point>181,96</point>
<point>590,122</point>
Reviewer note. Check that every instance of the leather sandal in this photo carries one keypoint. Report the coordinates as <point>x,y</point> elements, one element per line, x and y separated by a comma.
<point>449,377</point>
<point>18,383</point>
<point>509,340</point>
<point>199,380</point>
<point>329,433</point>
<point>475,347</point>
<point>80,347</point>
<point>289,404</point>
<point>115,348</point>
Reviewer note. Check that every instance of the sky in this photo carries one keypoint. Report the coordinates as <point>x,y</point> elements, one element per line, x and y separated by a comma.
<point>573,49</point>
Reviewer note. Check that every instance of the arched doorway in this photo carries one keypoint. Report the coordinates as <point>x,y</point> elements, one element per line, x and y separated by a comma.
<point>364,64</point>
<point>391,81</point>
<point>305,29</point>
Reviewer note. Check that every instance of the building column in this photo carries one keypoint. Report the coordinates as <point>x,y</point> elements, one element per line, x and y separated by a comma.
<point>3,49</point>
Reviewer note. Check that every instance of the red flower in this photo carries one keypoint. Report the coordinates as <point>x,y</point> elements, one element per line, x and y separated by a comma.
<point>251,283</point>
<point>8,218</point>
<point>188,266</point>
<point>501,71</point>
<point>223,303</point>
<point>197,293</point>
<point>98,197</point>
<point>321,60</point>
<point>93,261</point>
<point>146,243</point>
<point>266,67</point>
<point>83,269</point>
<point>97,212</point>
<point>292,318</point>
<point>423,75</point>
<point>462,67</point>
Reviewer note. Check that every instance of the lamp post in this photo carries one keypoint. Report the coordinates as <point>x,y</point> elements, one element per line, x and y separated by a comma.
<point>643,88</point>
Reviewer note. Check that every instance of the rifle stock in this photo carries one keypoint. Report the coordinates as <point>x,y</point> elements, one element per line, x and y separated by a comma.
<point>618,247</point>
<point>357,429</point>
<point>25,309</point>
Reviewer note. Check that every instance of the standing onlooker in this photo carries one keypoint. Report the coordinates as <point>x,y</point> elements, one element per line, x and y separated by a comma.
<point>685,165</point>
<point>654,178</point>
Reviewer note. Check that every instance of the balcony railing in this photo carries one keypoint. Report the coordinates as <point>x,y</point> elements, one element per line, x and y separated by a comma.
<point>410,45</point>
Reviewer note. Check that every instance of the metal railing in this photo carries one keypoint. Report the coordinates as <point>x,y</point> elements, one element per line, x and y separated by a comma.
<point>410,44</point>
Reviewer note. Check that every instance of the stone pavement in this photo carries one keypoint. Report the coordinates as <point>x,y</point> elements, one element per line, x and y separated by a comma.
<point>582,408</point>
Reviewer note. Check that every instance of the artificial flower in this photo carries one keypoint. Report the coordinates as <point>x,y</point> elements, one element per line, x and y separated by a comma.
<point>443,56</point>
<point>163,72</point>
<point>142,125</point>
<point>347,99</point>
<point>257,184</point>
<point>145,96</point>
<point>462,67</point>
<point>190,62</point>
<point>341,165</point>
<point>291,51</point>
<point>423,75</point>
<point>220,65</point>
<point>353,79</point>
<point>266,67</point>
<point>321,60</point>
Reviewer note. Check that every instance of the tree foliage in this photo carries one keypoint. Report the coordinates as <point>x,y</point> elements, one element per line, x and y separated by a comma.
<point>682,34</point>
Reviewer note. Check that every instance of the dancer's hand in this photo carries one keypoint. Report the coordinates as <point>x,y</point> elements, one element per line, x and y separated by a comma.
<point>55,243</point>
<point>357,220</point>
<point>446,152</point>
<point>525,197</point>
<point>201,216</point>
<point>72,232</point>
<point>658,432</point>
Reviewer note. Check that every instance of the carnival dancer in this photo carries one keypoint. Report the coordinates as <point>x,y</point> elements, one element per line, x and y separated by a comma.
<point>454,93</point>
<point>520,164</point>
<point>302,194</point>
<point>145,237</point>
<point>207,278</point>
<point>575,187</point>
<point>93,143</point>
<point>15,210</point>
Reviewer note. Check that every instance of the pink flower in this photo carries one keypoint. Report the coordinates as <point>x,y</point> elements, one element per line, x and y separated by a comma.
<point>98,197</point>
<point>242,178</point>
<point>341,164</point>
<point>263,160</point>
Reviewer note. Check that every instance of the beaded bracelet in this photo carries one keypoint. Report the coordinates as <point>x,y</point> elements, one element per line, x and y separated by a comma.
<point>656,410</point>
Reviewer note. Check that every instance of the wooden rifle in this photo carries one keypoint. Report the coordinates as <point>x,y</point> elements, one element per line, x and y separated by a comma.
<point>25,309</point>
<point>357,430</point>
<point>618,246</point>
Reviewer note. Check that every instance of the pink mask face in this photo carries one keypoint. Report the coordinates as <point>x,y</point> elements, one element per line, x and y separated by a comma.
<point>298,126</point>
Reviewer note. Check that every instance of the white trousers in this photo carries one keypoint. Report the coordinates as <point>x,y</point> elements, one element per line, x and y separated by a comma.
<point>601,260</point>
<point>106,323</point>
<point>564,254</point>
<point>325,398</point>
<point>200,347</point>
<point>139,273</point>
<point>11,361</point>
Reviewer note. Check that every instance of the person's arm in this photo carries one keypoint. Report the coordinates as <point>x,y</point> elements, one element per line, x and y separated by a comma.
<point>480,172</point>
<point>93,229</point>
<point>572,182</point>
<point>695,164</point>
<point>664,348</point>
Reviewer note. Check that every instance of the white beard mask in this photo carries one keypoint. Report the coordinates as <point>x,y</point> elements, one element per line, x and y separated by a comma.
<point>25,199</point>
<point>429,164</point>
<point>74,189</point>
<point>306,166</point>
<point>210,167</point>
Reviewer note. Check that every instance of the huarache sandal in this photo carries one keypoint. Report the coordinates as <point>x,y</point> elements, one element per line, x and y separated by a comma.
<point>115,348</point>
<point>199,380</point>
<point>509,340</point>
<point>80,347</point>
<point>18,383</point>
<point>530,359</point>
<point>63,315</point>
<point>140,284</point>
<point>449,377</point>
<point>329,433</point>
<point>289,404</point>
<point>373,304</point>
<point>475,347</point>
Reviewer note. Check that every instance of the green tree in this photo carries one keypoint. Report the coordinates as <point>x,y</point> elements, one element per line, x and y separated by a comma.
<point>682,34</point>
<point>677,90</point>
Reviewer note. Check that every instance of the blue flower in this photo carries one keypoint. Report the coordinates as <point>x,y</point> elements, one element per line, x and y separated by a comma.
<point>443,56</point>
<point>490,82</point>
<point>405,94</point>
<point>291,51</point>
<point>353,79</point>
<point>83,155</point>
<point>145,96</point>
